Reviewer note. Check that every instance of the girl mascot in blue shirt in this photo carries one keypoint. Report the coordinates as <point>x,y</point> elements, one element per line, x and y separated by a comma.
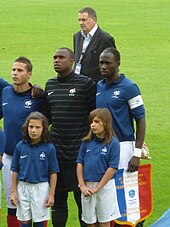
<point>34,173</point>
<point>97,163</point>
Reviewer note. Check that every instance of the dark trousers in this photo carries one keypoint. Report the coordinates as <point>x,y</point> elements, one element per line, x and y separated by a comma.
<point>60,208</point>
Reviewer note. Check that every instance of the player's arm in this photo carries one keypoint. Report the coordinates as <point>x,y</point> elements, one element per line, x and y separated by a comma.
<point>82,185</point>
<point>36,91</point>
<point>140,135</point>
<point>91,94</point>
<point>137,110</point>
<point>107,176</point>
<point>14,194</point>
<point>140,132</point>
<point>53,182</point>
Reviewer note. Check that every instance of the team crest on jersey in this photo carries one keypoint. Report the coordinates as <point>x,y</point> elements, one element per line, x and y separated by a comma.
<point>72,92</point>
<point>42,156</point>
<point>116,94</point>
<point>28,104</point>
<point>104,150</point>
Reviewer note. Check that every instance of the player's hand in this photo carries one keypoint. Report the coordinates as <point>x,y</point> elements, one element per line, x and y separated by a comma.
<point>36,91</point>
<point>50,201</point>
<point>94,190</point>
<point>133,164</point>
<point>85,190</point>
<point>14,199</point>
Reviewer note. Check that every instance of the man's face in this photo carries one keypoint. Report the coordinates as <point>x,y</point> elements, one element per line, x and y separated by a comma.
<point>108,65</point>
<point>62,61</point>
<point>86,23</point>
<point>20,75</point>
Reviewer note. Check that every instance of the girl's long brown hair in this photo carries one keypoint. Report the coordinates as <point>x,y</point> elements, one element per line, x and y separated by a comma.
<point>104,115</point>
<point>45,137</point>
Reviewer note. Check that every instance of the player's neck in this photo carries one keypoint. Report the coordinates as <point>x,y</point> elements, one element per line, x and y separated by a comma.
<point>112,79</point>
<point>21,87</point>
<point>35,141</point>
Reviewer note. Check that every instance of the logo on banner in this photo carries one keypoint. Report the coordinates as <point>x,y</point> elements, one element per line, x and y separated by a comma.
<point>131,193</point>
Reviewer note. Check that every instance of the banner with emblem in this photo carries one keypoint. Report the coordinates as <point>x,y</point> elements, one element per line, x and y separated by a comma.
<point>134,194</point>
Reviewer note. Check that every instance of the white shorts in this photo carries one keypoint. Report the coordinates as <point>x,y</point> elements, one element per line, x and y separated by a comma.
<point>126,153</point>
<point>7,178</point>
<point>102,206</point>
<point>32,199</point>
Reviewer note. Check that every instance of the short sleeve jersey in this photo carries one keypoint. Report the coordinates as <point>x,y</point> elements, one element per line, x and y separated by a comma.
<point>123,99</point>
<point>16,108</point>
<point>34,163</point>
<point>97,157</point>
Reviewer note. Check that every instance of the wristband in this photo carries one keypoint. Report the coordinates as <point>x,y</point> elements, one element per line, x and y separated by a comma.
<point>137,152</point>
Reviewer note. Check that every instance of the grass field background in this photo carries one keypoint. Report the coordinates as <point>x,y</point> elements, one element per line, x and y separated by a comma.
<point>36,28</point>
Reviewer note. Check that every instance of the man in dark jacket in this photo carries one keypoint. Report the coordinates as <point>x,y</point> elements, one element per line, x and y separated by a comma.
<point>89,43</point>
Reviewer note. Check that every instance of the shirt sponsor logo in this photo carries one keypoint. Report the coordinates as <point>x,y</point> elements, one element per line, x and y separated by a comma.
<point>24,156</point>
<point>51,92</point>
<point>98,93</point>
<point>42,156</point>
<point>72,92</point>
<point>28,104</point>
<point>116,94</point>
<point>88,150</point>
<point>5,103</point>
<point>104,150</point>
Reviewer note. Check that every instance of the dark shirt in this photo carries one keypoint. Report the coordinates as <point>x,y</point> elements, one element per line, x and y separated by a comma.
<point>70,100</point>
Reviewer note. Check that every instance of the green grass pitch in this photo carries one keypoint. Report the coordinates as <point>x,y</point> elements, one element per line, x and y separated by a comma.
<point>141,28</point>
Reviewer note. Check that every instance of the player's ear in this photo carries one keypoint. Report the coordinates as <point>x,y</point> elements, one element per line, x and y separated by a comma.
<point>29,74</point>
<point>118,63</point>
<point>72,61</point>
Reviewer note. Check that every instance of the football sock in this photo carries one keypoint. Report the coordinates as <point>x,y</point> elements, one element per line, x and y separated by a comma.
<point>40,224</point>
<point>45,223</point>
<point>26,224</point>
<point>12,221</point>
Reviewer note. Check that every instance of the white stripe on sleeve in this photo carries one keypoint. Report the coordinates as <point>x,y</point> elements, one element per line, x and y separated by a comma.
<point>135,102</point>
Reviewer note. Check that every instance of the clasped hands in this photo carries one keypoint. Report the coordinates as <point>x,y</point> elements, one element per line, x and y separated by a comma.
<point>88,191</point>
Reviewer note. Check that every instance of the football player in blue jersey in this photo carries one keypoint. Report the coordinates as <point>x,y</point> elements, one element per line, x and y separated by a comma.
<point>97,162</point>
<point>34,167</point>
<point>17,104</point>
<point>123,98</point>
<point>36,91</point>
